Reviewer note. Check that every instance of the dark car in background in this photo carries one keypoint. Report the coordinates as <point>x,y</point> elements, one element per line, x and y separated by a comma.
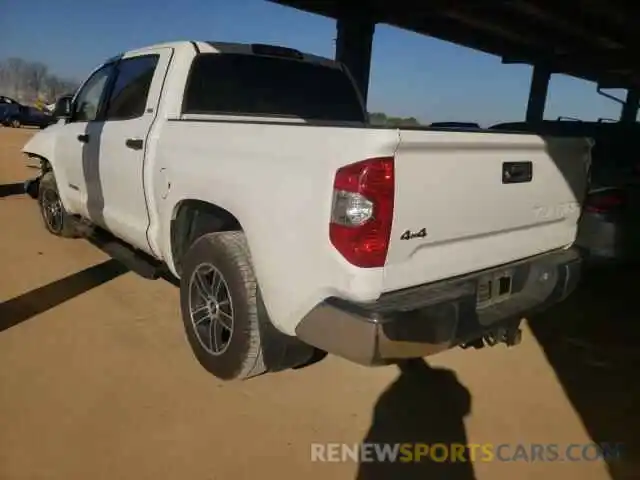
<point>609,229</point>
<point>16,115</point>
<point>4,99</point>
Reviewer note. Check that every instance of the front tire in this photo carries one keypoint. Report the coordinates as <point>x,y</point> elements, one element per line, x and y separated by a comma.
<point>15,123</point>
<point>219,303</point>
<point>56,219</point>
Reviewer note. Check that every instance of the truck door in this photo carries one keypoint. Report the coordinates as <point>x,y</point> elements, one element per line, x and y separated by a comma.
<point>130,110</point>
<point>74,147</point>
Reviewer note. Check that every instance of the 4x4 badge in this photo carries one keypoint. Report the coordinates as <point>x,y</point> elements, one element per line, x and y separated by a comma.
<point>408,234</point>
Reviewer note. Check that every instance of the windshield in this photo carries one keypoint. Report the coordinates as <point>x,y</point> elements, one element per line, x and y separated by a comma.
<point>261,85</point>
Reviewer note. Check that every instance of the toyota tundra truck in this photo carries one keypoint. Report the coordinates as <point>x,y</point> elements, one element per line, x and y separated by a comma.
<point>251,174</point>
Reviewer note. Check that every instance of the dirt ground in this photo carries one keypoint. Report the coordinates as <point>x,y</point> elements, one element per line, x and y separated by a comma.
<point>97,382</point>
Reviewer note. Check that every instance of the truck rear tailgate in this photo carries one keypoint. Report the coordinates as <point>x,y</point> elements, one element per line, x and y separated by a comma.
<point>468,201</point>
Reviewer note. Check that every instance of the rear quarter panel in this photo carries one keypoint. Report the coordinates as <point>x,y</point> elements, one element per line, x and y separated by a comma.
<point>277,180</point>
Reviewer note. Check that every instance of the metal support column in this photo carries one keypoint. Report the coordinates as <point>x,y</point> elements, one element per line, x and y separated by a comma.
<point>353,47</point>
<point>630,107</point>
<point>538,93</point>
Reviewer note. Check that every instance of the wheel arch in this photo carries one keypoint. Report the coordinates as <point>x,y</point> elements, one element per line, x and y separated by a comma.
<point>192,218</point>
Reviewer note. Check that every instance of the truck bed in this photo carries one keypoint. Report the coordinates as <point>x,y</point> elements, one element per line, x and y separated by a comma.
<point>448,182</point>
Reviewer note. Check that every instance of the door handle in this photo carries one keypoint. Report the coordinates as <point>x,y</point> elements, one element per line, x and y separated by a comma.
<point>83,138</point>
<point>134,143</point>
<point>517,172</point>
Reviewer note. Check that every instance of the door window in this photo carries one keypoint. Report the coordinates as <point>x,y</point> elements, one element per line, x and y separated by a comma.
<point>128,98</point>
<point>87,104</point>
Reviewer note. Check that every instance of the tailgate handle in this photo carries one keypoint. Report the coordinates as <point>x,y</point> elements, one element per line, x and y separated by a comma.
<point>517,172</point>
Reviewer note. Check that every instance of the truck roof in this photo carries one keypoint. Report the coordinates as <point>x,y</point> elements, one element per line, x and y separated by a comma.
<point>228,47</point>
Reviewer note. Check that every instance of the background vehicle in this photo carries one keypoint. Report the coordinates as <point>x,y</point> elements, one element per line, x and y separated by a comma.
<point>17,115</point>
<point>4,99</point>
<point>609,230</point>
<point>250,173</point>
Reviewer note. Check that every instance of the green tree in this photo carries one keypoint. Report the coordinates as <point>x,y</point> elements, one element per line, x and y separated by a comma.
<point>380,118</point>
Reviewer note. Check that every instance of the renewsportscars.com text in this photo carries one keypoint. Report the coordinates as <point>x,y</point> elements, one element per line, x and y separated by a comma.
<point>458,452</point>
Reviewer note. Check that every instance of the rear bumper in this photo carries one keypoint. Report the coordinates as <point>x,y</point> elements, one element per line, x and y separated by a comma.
<point>424,320</point>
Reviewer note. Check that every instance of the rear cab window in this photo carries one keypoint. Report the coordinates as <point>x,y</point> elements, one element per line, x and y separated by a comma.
<point>255,85</point>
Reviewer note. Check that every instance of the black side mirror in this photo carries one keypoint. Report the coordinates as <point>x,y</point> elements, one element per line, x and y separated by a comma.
<point>63,108</point>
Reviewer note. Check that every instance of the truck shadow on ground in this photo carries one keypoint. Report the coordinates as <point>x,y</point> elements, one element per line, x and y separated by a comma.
<point>410,411</point>
<point>591,340</point>
<point>30,304</point>
<point>10,189</point>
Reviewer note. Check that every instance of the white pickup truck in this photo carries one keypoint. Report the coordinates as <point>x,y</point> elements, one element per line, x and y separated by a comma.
<point>250,173</point>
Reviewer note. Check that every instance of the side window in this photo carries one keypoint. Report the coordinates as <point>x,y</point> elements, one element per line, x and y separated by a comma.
<point>87,102</point>
<point>129,95</point>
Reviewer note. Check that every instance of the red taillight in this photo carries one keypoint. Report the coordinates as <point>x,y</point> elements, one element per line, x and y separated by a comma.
<point>608,201</point>
<point>362,211</point>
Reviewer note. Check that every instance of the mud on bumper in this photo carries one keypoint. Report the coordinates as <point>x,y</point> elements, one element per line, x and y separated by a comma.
<point>424,320</point>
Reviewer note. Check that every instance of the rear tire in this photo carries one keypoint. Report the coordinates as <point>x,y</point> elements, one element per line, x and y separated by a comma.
<point>15,123</point>
<point>219,303</point>
<point>56,219</point>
